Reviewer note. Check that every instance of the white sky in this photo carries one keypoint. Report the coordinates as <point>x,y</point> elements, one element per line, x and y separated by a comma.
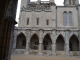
<point>58,2</point>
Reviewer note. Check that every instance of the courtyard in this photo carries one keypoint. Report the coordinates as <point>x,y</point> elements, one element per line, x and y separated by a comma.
<point>36,57</point>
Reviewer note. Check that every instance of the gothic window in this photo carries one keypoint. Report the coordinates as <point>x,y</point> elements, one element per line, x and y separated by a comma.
<point>37,21</point>
<point>47,22</point>
<point>70,18</point>
<point>65,18</point>
<point>27,21</point>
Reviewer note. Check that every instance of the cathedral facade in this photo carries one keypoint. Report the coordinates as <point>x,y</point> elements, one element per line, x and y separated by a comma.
<point>47,29</point>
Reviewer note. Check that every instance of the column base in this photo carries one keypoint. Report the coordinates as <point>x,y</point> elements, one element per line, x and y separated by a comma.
<point>67,54</point>
<point>40,54</point>
<point>53,54</point>
<point>26,53</point>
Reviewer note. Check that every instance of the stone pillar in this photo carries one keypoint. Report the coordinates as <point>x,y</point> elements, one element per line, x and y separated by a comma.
<point>51,0</point>
<point>40,42</point>
<point>11,28</point>
<point>28,35</point>
<point>27,48</point>
<point>39,0</point>
<point>14,41</point>
<point>67,49</point>
<point>53,37</point>
<point>14,45</point>
<point>79,42</point>
<point>40,49</point>
<point>54,49</point>
<point>67,43</point>
<point>79,48</point>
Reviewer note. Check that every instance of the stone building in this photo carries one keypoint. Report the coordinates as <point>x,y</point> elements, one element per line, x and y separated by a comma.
<point>7,22</point>
<point>47,29</point>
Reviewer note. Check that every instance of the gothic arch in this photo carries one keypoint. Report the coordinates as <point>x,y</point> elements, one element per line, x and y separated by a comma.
<point>61,35</point>
<point>34,42</point>
<point>45,35</point>
<point>74,43</point>
<point>65,12</point>
<point>21,41</point>
<point>60,43</point>
<point>74,35</point>
<point>19,32</point>
<point>47,42</point>
<point>70,12</point>
<point>33,35</point>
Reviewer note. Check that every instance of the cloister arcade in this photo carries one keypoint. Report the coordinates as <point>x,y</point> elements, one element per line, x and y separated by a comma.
<point>47,43</point>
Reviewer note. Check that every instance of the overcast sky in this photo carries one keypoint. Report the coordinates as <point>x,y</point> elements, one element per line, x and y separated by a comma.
<point>58,2</point>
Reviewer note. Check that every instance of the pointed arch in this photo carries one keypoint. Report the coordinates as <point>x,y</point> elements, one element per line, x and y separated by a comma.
<point>34,42</point>
<point>60,43</point>
<point>47,42</point>
<point>21,41</point>
<point>45,35</point>
<point>73,34</point>
<point>21,32</point>
<point>74,43</point>
<point>34,34</point>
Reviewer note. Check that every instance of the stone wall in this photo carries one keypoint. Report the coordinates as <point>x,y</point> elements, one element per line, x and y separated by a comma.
<point>54,35</point>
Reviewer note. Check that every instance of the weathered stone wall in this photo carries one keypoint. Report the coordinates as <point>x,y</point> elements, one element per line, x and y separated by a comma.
<point>54,34</point>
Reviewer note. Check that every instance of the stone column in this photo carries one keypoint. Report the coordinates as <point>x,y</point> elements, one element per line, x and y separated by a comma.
<point>67,49</point>
<point>14,45</point>
<point>28,35</point>
<point>54,49</point>
<point>79,42</point>
<point>40,42</point>
<point>79,48</point>
<point>40,49</point>
<point>53,37</point>
<point>27,48</point>
<point>14,41</point>
<point>67,43</point>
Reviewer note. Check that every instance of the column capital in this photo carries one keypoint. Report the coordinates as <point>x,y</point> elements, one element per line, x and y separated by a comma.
<point>53,43</point>
<point>66,43</point>
<point>40,43</point>
<point>27,42</point>
<point>28,29</point>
